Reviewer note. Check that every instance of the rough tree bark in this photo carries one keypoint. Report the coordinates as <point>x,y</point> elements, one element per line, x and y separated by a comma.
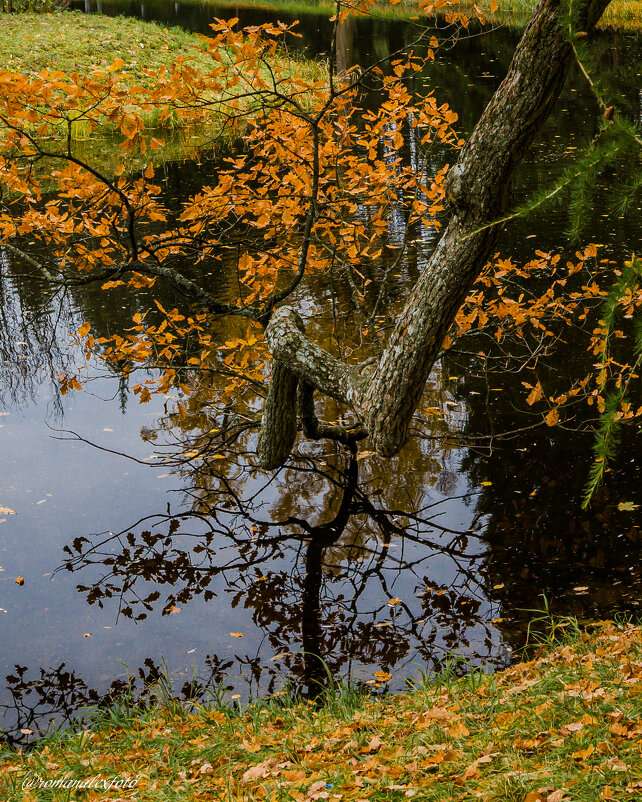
<point>385,396</point>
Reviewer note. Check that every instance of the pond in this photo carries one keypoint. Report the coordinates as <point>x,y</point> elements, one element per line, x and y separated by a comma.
<point>368,571</point>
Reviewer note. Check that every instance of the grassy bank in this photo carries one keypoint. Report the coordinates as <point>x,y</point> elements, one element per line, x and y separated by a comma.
<point>566,725</point>
<point>74,42</point>
<point>622,14</point>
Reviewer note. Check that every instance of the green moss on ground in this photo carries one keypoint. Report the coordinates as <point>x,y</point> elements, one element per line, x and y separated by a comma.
<point>566,725</point>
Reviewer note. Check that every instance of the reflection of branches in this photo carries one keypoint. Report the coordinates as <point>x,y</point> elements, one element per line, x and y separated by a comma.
<point>30,335</point>
<point>306,583</point>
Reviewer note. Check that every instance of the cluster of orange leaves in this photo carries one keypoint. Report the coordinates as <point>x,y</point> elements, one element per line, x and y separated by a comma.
<point>305,148</point>
<point>506,305</point>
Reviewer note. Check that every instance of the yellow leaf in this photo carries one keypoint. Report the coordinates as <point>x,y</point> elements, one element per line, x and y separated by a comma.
<point>553,417</point>
<point>116,65</point>
<point>237,635</point>
<point>83,331</point>
<point>623,506</point>
<point>19,581</point>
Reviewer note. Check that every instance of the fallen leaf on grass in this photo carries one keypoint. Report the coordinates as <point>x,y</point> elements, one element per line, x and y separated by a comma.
<point>434,714</point>
<point>261,771</point>
<point>458,730</point>
<point>318,790</point>
<point>582,754</point>
<point>374,746</point>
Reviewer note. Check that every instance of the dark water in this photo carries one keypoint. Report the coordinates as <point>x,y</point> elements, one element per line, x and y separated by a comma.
<point>375,565</point>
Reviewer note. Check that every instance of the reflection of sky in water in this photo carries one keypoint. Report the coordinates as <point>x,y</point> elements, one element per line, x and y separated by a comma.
<point>62,490</point>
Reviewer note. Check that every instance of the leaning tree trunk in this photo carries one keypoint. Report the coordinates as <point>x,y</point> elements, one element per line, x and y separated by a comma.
<point>478,188</point>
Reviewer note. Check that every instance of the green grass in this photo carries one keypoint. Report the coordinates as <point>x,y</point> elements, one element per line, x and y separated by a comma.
<point>75,42</point>
<point>566,725</point>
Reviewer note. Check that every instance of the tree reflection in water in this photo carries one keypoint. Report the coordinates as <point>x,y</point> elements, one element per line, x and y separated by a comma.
<point>320,586</point>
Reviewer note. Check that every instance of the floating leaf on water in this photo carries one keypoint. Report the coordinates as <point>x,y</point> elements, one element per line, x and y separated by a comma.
<point>237,635</point>
<point>20,581</point>
<point>393,602</point>
<point>7,511</point>
<point>382,676</point>
<point>364,454</point>
<point>624,506</point>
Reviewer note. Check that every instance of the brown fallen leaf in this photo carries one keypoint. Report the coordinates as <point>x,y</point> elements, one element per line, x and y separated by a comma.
<point>318,790</point>
<point>375,745</point>
<point>582,754</point>
<point>458,730</point>
<point>434,714</point>
<point>260,771</point>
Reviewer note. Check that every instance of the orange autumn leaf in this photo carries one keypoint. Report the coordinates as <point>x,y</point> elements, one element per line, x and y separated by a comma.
<point>535,395</point>
<point>458,730</point>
